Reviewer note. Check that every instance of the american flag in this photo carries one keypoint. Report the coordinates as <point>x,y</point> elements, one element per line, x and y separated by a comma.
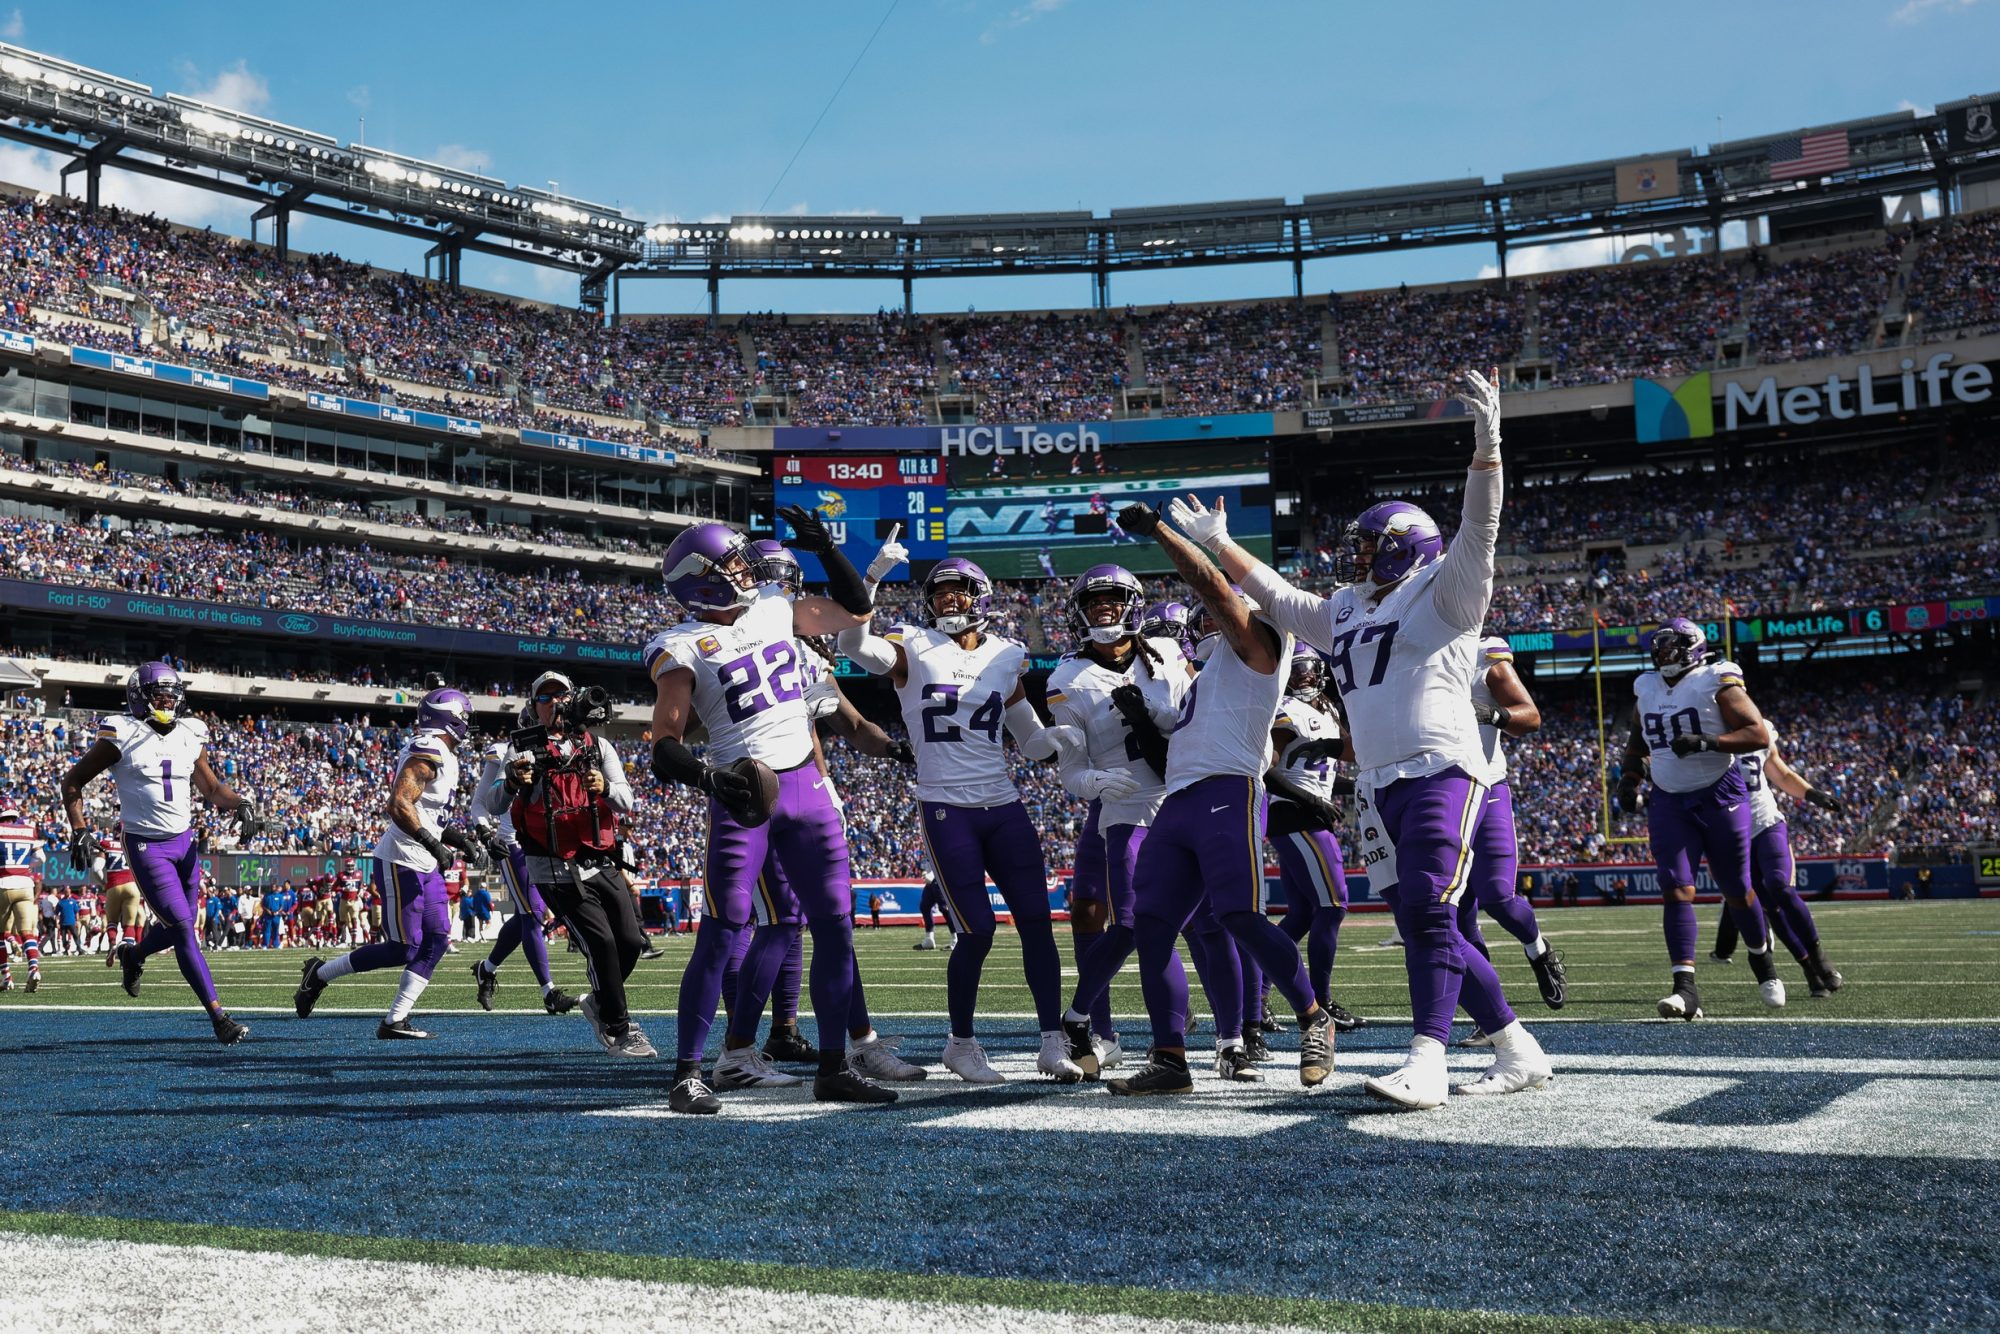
<point>1812,155</point>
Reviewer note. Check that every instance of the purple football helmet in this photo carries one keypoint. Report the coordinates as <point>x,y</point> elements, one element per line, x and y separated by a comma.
<point>153,693</point>
<point>447,711</point>
<point>1097,581</point>
<point>1169,620</point>
<point>711,567</point>
<point>958,570</point>
<point>1405,538</point>
<point>1308,675</point>
<point>1678,645</point>
<point>774,563</point>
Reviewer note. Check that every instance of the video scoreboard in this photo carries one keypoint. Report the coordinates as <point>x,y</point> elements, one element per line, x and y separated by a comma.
<point>863,497</point>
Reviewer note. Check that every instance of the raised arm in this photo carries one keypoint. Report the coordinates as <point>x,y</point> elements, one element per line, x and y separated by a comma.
<point>1255,643</point>
<point>1464,587</point>
<point>1290,609</point>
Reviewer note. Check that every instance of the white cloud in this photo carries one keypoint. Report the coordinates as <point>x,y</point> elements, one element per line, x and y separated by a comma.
<point>38,169</point>
<point>1905,104</point>
<point>14,28</point>
<point>1022,15</point>
<point>236,88</point>
<point>460,158</point>
<point>359,97</point>
<point>1916,11</point>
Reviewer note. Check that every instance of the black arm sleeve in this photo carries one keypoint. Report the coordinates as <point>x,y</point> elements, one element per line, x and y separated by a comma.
<point>674,762</point>
<point>1151,742</point>
<point>844,583</point>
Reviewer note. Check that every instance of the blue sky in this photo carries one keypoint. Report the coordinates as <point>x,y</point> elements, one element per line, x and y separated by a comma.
<point>966,106</point>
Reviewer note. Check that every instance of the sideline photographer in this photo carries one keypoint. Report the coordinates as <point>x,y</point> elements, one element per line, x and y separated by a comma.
<point>569,789</point>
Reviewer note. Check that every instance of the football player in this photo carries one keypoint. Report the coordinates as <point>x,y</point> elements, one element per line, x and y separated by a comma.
<point>526,927</point>
<point>1503,706</point>
<point>736,661</point>
<point>1205,849</point>
<point>22,857</point>
<point>959,687</point>
<point>124,911</point>
<point>158,760</point>
<point>1690,718</point>
<point>1772,869</point>
<point>1402,645</point>
<point>1121,690</point>
<point>1306,738</point>
<point>410,859</point>
<point>349,886</point>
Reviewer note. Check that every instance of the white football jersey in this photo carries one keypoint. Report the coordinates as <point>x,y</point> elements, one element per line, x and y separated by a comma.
<point>1225,726</point>
<point>22,856</point>
<point>1764,812</point>
<point>822,691</point>
<point>1492,649</point>
<point>1404,675</point>
<point>1311,723</point>
<point>749,682</point>
<point>494,772</point>
<point>1080,696</point>
<point>955,706</point>
<point>1686,707</point>
<point>154,773</point>
<point>438,795</point>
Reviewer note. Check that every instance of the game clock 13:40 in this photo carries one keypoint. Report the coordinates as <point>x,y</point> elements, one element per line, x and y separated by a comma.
<point>863,497</point>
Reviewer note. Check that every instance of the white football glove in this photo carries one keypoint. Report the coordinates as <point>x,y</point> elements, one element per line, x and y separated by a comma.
<point>822,698</point>
<point>892,554</point>
<point>1204,527</point>
<point>1482,404</point>
<point>1102,785</point>
<point>1068,742</point>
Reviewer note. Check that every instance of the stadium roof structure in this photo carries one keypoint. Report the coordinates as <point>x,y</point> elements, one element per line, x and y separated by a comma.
<point>100,121</point>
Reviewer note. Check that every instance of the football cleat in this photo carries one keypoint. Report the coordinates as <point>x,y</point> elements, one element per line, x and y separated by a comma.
<point>850,1087</point>
<point>1549,976</point>
<point>34,982</point>
<point>1769,986</point>
<point>1234,1065</point>
<point>1716,957</point>
<point>632,1042</point>
<point>1156,1078</point>
<point>227,1031</point>
<point>1478,1037</point>
<point>876,1058</point>
<point>691,1097</point>
<point>1316,1041</point>
<point>310,988</point>
<point>927,943</point>
<point>748,1068</point>
<point>1343,1020</point>
<point>1826,979</point>
<point>790,1046</point>
<point>130,966</point>
<point>1519,1063</point>
<point>6,984</point>
<point>1683,1002</point>
<point>489,982</point>
<point>1773,993</point>
<point>389,1031</point>
<point>1056,1062</point>
<point>965,1058</point>
<point>1254,1046</point>
<point>557,1001</point>
<point>1419,1084</point>
<point>1109,1054</point>
<point>1081,1048</point>
<point>652,951</point>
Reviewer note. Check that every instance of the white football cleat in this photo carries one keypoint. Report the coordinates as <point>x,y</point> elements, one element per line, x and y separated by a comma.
<point>749,1068</point>
<point>1055,1062</point>
<point>1519,1063</point>
<point>1420,1083</point>
<point>965,1058</point>
<point>874,1057</point>
<point>1773,992</point>
<point>1109,1054</point>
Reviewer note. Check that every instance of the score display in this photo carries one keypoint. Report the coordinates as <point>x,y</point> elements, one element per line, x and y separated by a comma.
<point>862,498</point>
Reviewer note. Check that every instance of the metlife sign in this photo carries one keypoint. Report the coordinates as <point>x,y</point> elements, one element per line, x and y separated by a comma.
<point>1856,392</point>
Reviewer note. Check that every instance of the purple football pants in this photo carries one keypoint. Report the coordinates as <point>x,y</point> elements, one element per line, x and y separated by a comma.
<point>169,875</point>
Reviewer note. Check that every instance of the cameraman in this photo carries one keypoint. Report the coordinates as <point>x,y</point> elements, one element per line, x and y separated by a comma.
<point>568,789</point>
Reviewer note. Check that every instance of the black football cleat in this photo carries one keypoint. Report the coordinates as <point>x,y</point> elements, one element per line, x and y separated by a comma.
<point>789,1047</point>
<point>310,988</point>
<point>489,982</point>
<point>398,1030</point>
<point>1076,1037</point>
<point>1343,1020</point>
<point>557,1001</point>
<point>1159,1077</point>
<point>1316,1042</point>
<point>1550,977</point>
<point>846,1086</point>
<point>1254,1046</point>
<point>692,1097</point>
<point>1233,1065</point>
<point>130,966</point>
<point>227,1031</point>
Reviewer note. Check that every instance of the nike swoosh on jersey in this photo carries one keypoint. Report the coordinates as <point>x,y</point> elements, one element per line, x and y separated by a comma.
<point>1213,809</point>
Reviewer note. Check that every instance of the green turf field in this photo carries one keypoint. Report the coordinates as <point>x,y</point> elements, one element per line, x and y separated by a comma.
<point>1903,961</point>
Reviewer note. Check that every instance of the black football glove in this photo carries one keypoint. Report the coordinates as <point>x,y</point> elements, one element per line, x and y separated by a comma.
<point>1692,745</point>
<point>1628,794</point>
<point>733,789</point>
<point>1312,752</point>
<point>1130,701</point>
<point>1825,800</point>
<point>1490,715</point>
<point>249,823</point>
<point>473,849</point>
<point>901,751</point>
<point>1327,814</point>
<point>83,850</point>
<point>1139,518</point>
<point>809,532</point>
<point>446,858</point>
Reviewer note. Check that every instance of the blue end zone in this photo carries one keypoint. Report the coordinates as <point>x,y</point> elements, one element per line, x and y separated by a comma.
<point>1879,1209</point>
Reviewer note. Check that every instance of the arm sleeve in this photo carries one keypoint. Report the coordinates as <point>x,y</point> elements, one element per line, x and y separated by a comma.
<point>1464,586</point>
<point>617,787</point>
<point>869,651</point>
<point>1292,610</point>
<point>1029,734</point>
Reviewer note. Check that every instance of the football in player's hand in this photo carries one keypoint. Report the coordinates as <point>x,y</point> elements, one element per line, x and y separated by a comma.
<point>758,784</point>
